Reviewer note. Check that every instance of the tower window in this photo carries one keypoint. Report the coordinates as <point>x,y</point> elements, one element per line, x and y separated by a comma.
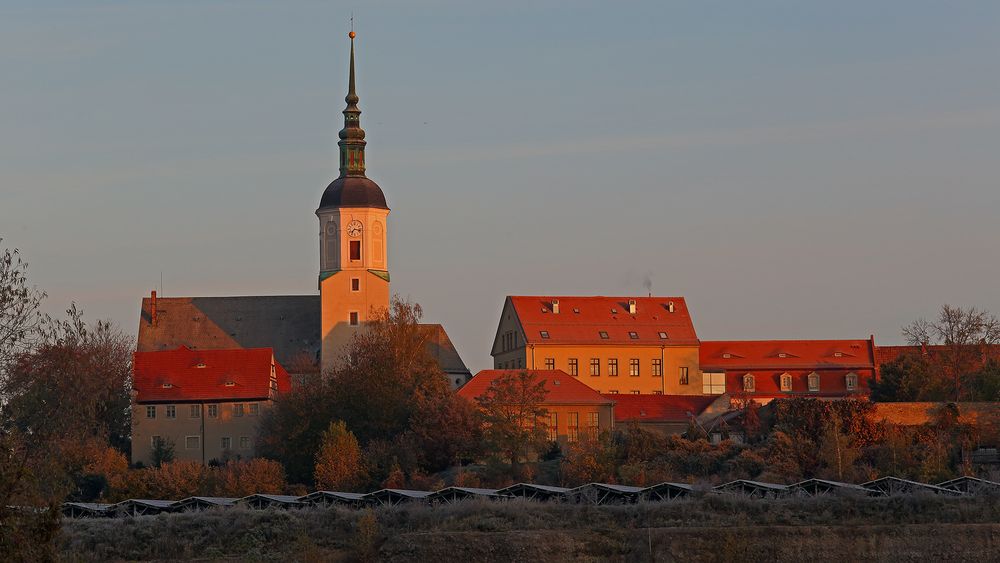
<point>355,284</point>
<point>354,318</point>
<point>355,250</point>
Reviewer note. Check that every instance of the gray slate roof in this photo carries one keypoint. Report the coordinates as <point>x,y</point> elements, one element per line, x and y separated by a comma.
<point>288,324</point>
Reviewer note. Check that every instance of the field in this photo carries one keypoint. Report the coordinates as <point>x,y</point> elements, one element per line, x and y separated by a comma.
<point>709,528</point>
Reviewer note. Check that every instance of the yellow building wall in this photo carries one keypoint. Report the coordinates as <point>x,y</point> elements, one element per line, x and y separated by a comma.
<point>562,431</point>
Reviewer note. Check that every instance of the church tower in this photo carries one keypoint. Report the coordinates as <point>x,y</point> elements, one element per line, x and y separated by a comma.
<point>353,262</point>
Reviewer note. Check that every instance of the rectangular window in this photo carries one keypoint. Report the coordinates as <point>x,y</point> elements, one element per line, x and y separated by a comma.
<point>574,367</point>
<point>662,335</point>
<point>244,442</point>
<point>553,426</point>
<point>227,443</point>
<point>613,367</point>
<point>544,334</point>
<point>594,422</point>
<point>613,391</point>
<point>354,318</point>
<point>633,367</point>
<point>150,412</point>
<point>657,392</point>
<point>851,381</point>
<point>786,382</point>
<point>192,443</point>
<point>254,409</point>
<point>213,411</point>
<point>355,284</point>
<point>713,383</point>
<point>195,411</point>
<point>573,427</point>
<point>595,366</point>
<point>635,391</point>
<point>171,411</point>
<point>238,409</point>
<point>657,367</point>
<point>633,335</point>
<point>355,250</point>
<point>550,363</point>
<point>155,441</point>
<point>682,374</point>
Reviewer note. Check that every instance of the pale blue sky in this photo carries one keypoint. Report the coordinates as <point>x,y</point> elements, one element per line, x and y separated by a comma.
<point>794,169</point>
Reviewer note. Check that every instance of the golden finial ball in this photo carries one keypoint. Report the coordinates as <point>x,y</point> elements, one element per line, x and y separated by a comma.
<point>352,35</point>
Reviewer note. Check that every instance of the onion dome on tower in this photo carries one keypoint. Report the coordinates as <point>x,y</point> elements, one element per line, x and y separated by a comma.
<point>352,188</point>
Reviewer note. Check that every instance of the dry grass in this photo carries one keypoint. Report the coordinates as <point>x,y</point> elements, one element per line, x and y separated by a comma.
<point>484,530</point>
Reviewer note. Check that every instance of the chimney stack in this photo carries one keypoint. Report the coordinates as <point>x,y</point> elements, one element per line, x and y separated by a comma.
<point>555,306</point>
<point>670,306</point>
<point>152,308</point>
<point>631,306</point>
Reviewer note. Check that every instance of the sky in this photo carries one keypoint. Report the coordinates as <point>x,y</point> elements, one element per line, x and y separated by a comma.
<point>794,169</point>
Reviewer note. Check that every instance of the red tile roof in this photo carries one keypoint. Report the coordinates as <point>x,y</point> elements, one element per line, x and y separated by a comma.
<point>786,354</point>
<point>581,319</point>
<point>562,388</point>
<point>659,408</point>
<point>195,375</point>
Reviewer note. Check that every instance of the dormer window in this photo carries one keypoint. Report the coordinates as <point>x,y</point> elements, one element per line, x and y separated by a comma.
<point>200,365</point>
<point>614,311</point>
<point>786,382</point>
<point>544,334</point>
<point>727,356</point>
<point>576,310</point>
<point>167,385</point>
<point>663,335</point>
<point>633,335</point>
<point>813,381</point>
<point>838,354</point>
<point>230,384</point>
<point>603,334</point>
<point>782,355</point>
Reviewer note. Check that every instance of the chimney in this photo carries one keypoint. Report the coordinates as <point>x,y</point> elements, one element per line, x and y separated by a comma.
<point>555,306</point>
<point>152,308</point>
<point>631,306</point>
<point>670,306</point>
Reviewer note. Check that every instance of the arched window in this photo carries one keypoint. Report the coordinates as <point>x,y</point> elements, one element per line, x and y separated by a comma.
<point>749,385</point>
<point>331,246</point>
<point>378,242</point>
<point>813,381</point>
<point>786,382</point>
<point>851,381</point>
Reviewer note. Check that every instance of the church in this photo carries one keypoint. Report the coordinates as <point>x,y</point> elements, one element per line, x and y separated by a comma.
<point>307,333</point>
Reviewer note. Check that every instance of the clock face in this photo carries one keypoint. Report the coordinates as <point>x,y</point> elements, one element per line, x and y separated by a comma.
<point>354,228</point>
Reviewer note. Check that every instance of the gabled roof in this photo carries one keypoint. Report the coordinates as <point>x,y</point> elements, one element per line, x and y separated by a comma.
<point>659,408</point>
<point>561,387</point>
<point>191,375</point>
<point>581,320</point>
<point>786,354</point>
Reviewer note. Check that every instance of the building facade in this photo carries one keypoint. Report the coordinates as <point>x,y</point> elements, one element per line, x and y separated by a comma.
<point>770,369</point>
<point>205,404</point>
<point>614,345</point>
<point>574,409</point>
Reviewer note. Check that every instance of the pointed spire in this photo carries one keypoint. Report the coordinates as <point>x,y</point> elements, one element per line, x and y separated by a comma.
<point>352,136</point>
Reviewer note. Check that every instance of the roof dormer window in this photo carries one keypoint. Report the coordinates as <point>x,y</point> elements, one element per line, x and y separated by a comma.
<point>200,365</point>
<point>603,334</point>
<point>167,385</point>
<point>633,335</point>
<point>544,334</point>
<point>230,384</point>
<point>663,335</point>
<point>727,356</point>
<point>782,355</point>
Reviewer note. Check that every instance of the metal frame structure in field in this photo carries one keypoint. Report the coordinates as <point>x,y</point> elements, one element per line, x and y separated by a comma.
<point>888,486</point>
<point>454,494</point>
<point>753,489</point>
<point>85,509</point>
<point>260,501</point>
<point>667,491</point>
<point>535,492</point>
<point>196,504</point>
<point>141,507</point>
<point>328,498</point>
<point>394,497</point>
<point>971,485</point>
<point>604,493</point>
<point>822,487</point>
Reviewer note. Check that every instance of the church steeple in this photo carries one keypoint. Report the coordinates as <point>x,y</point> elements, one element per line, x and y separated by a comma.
<point>352,136</point>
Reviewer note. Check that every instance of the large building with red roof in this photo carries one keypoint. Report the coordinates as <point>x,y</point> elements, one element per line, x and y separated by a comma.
<point>205,403</point>
<point>626,345</point>
<point>573,408</point>
<point>770,369</point>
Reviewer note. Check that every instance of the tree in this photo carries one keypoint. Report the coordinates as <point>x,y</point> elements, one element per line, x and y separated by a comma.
<point>911,378</point>
<point>258,475</point>
<point>338,462</point>
<point>20,303</point>
<point>964,336</point>
<point>162,451</point>
<point>588,460</point>
<point>444,429</point>
<point>513,415</point>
